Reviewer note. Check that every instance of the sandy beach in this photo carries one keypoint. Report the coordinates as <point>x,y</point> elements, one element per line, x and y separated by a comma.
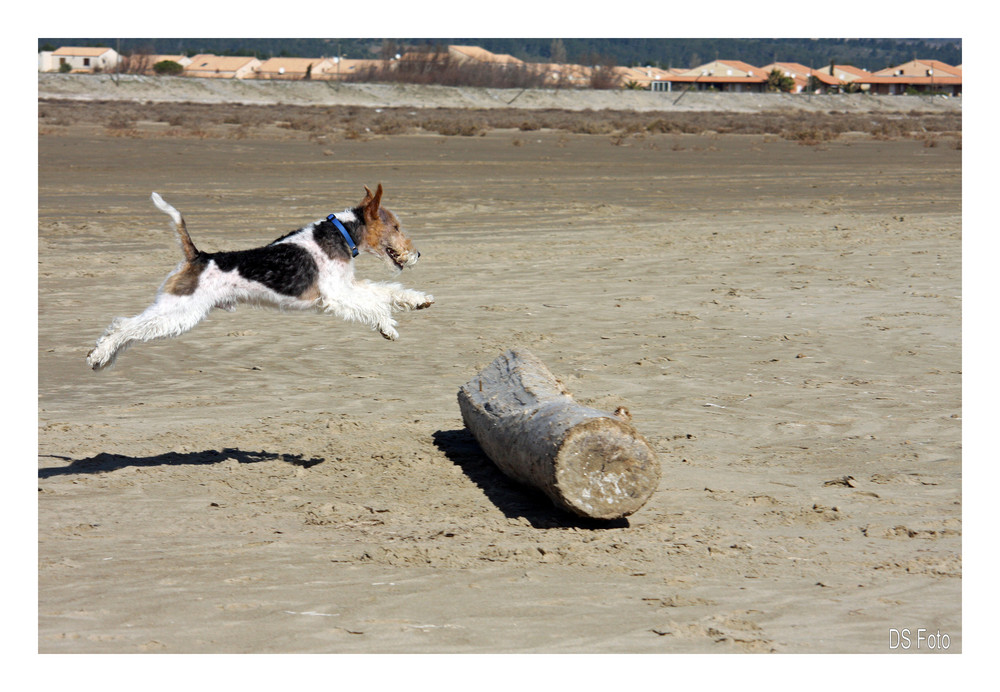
<point>782,318</point>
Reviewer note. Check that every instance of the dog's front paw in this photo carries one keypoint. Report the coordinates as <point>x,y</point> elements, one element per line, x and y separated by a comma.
<point>98,361</point>
<point>408,299</point>
<point>388,330</point>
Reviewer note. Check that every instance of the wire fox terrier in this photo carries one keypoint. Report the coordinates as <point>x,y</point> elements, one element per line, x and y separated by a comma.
<point>311,268</point>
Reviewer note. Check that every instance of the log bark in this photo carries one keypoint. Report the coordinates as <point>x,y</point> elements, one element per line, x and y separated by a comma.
<point>592,463</point>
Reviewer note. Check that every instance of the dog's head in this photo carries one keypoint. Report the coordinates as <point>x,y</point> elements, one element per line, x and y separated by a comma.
<point>383,236</point>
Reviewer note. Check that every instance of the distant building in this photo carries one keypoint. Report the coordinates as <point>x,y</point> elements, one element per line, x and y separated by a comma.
<point>345,68</point>
<point>652,78</point>
<point>920,68</point>
<point>916,76</point>
<point>839,77</point>
<point>221,66</point>
<point>797,72</point>
<point>722,75</point>
<point>78,59</point>
<point>296,68</point>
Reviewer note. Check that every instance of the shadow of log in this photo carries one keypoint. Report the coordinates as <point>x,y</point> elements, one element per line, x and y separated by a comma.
<point>513,499</point>
<point>104,462</point>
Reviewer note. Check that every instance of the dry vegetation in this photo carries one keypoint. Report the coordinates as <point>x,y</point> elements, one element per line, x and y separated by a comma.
<point>437,67</point>
<point>243,120</point>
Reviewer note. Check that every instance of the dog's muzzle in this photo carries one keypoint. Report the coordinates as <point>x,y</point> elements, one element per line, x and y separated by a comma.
<point>405,259</point>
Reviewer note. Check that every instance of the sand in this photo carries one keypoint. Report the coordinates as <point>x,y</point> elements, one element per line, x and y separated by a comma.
<point>783,322</point>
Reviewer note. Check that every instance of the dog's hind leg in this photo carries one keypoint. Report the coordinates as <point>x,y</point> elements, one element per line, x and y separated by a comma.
<point>168,316</point>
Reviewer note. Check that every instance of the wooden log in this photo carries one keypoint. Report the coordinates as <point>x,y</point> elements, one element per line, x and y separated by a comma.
<point>587,461</point>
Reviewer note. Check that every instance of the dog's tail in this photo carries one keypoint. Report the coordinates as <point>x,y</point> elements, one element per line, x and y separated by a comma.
<point>190,251</point>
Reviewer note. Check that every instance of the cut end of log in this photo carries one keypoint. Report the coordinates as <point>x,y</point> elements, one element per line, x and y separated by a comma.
<point>605,470</point>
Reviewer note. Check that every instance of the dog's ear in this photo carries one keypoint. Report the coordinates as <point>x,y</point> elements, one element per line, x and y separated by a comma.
<point>371,202</point>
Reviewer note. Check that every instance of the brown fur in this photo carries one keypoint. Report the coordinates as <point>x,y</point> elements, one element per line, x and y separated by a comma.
<point>185,282</point>
<point>190,251</point>
<point>382,225</point>
<point>311,293</point>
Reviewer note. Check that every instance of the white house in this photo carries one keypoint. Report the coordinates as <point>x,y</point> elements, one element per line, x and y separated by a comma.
<point>78,59</point>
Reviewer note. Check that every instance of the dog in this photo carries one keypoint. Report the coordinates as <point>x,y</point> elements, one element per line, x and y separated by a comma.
<point>310,268</point>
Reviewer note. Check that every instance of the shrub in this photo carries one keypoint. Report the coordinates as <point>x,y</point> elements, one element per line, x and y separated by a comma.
<point>168,67</point>
<point>776,81</point>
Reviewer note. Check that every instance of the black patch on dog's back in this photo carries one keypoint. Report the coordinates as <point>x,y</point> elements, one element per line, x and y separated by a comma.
<point>284,268</point>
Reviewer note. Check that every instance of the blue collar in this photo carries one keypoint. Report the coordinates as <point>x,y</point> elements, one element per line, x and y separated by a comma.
<point>343,231</point>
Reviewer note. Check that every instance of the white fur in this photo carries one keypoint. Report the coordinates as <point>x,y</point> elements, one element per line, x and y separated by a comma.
<point>163,206</point>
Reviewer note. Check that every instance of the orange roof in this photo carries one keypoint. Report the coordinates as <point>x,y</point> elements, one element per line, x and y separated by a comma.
<point>87,52</point>
<point>793,68</point>
<point>483,55</point>
<point>206,62</point>
<point>826,78</point>
<point>740,65</point>
<point>935,65</point>
<point>841,73</point>
<point>851,69</point>
<point>939,66</point>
